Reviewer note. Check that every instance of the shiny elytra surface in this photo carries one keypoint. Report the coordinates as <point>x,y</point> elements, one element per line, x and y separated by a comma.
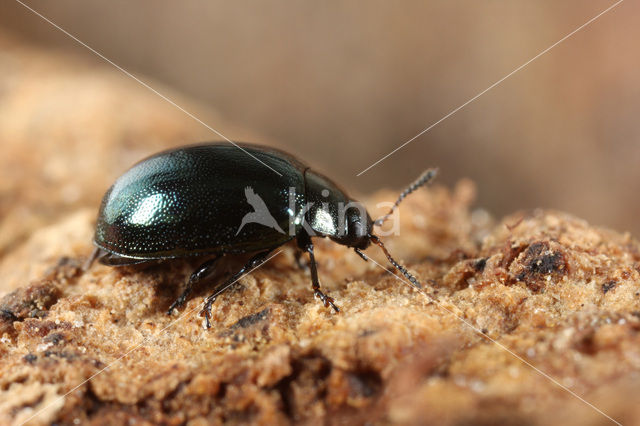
<point>191,201</point>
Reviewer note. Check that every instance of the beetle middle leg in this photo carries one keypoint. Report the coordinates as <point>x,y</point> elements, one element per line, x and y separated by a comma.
<point>203,271</point>
<point>304,241</point>
<point>253,263</point>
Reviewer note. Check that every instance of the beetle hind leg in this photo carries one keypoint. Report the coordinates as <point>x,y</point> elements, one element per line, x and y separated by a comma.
<point>203,271</point>
<point>253,263</point>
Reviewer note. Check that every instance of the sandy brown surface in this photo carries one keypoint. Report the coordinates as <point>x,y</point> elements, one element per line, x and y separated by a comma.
<point>560,294</point>
<point>544,287</point>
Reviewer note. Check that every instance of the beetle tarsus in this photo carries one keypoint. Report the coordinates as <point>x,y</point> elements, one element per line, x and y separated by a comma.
<point>206,311</point>
<point>171,308</point>
<point>326,300</point>
<point>200,274</point>
<point>178,302</point>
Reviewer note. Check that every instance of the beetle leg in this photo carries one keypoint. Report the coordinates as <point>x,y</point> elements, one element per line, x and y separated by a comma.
<point>307,245</point>
<point>299,262</point>
<point>198,275</point>
<point>253,263</point>
<point>92,257</point>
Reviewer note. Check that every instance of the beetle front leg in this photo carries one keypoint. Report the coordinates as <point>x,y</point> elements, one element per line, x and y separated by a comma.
<point>305,243</point>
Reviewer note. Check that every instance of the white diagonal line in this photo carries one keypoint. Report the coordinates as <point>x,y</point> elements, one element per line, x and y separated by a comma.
<point>143,341</point>
<point>491,87</point>
<point>500,345</point>
<point>166,98</point>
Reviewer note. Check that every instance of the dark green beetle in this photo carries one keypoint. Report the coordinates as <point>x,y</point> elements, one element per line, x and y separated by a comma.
<point>216,199</point>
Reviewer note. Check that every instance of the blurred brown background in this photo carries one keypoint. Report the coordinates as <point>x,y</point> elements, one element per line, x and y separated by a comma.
<point>343,83</point>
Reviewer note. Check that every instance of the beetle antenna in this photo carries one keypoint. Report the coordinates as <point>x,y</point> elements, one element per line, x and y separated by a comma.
<point>423,179</point>
<point>398,266</point>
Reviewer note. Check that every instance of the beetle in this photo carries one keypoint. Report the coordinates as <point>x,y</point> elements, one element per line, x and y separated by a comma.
<point>216,199</point>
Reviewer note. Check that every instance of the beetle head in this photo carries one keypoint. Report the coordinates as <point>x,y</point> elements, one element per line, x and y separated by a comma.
<point>357,227</point>
<point>332,213</point>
